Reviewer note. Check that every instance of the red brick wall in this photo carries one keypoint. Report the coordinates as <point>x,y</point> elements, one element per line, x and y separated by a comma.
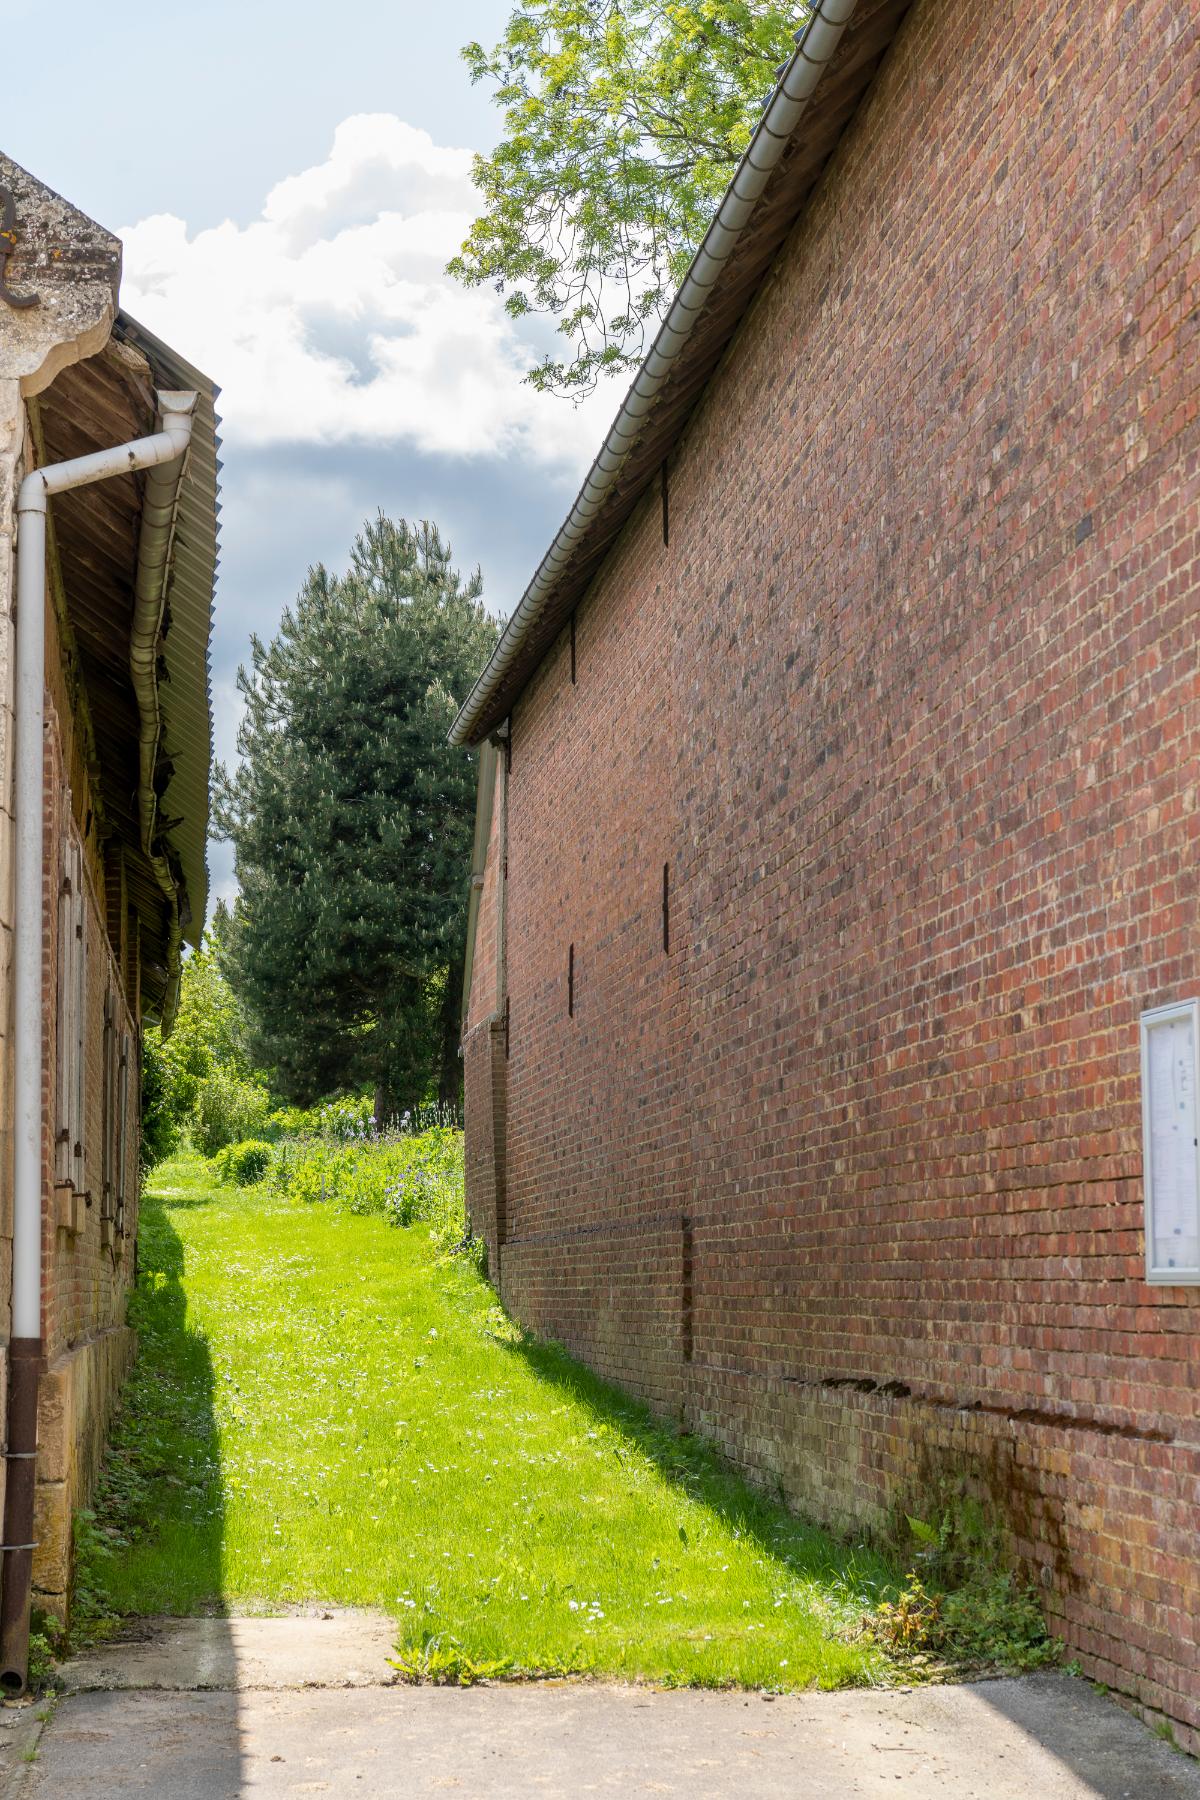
<point>911,707</point>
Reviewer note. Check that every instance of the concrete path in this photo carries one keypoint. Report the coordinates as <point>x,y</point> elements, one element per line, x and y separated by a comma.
<point>219,1709</point>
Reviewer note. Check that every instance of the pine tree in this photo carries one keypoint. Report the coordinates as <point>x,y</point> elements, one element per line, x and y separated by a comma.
<point>351,821</point>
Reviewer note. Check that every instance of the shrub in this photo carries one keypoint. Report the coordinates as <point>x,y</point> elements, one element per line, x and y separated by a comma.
<point>160,1108</point>
<point>286,1121</point>
<point>207,1047</point>
<point>967,1609</point>
<point>342,1120</point>
<point>992,1621</point>
<point>228,1110</point>
<point>245,1163</point>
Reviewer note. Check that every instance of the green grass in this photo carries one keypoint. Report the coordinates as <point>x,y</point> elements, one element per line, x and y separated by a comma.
<point>325,1409</point>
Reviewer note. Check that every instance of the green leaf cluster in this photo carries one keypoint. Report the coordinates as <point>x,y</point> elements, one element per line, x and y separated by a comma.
<point>201,1079</point>
<point>623,124</point>
<point>968,1609</point>
<point>242,1164</point>
<point>351,819</point>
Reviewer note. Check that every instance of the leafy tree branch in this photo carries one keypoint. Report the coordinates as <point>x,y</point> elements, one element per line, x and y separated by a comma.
<point>623,123</point>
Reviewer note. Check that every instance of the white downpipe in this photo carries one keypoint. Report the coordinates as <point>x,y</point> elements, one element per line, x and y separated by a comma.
<point>815,47</point>
<point>166,446</point>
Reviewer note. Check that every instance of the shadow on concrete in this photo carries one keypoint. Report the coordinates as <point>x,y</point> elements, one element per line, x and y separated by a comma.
<point>1107,1751</point>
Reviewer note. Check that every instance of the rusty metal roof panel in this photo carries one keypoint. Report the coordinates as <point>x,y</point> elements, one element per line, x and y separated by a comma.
<point>186,694</point>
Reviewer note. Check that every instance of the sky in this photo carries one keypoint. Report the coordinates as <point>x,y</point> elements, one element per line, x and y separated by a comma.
<point>289,181</point>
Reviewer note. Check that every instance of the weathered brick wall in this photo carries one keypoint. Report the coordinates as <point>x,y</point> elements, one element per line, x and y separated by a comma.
<point>911,707</point>
<point>612,1296</point>
<point>73,267</point>
<point>87,1270</point>
<point>86,1283</point>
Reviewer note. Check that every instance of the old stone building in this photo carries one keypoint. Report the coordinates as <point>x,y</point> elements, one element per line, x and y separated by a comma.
<point>106,584</point>
<point>830,1031</point>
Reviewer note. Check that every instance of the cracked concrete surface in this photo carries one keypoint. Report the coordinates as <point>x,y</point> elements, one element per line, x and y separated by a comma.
<point>207,1709</point>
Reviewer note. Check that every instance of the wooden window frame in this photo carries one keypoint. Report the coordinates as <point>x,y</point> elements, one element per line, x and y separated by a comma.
<point>122,1131</point>
<point>71,1023</point>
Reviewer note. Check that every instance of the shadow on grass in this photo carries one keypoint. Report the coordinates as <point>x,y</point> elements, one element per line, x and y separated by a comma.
<point>151,1541</point>
<point>179,1203</point>
<point>857,1570</point>
<point>151,1544</point>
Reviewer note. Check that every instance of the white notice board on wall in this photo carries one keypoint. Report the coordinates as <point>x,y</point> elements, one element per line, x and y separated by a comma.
<point>1170,1151</point>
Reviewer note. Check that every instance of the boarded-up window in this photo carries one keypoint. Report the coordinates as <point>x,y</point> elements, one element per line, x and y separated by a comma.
<point>122,1129</point>
<point>116,1112</point>
<point>72,1019</point>
<point>108,1159</point>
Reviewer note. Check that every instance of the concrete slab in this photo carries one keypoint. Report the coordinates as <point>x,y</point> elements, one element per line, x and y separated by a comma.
<point>337,1648</point>
<point>1047,1736</point>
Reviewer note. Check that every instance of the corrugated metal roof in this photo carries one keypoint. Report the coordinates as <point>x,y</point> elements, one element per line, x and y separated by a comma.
<point>688,348</point>
<point>186,695</point>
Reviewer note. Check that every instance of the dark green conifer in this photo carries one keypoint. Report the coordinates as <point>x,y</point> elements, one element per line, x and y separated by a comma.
<point>351,822</point>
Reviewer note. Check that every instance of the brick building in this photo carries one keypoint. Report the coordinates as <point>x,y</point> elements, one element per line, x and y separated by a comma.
<point>102,830</point>
<point>838,820</point>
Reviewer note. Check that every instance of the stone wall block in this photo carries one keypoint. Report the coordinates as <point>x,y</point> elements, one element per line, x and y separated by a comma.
<point>73,267</point>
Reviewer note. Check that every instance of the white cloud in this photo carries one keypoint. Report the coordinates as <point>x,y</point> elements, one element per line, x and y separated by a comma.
<point>330,319</point>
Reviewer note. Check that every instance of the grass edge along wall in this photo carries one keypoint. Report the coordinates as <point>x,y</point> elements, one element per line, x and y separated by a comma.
<point>902,728</point>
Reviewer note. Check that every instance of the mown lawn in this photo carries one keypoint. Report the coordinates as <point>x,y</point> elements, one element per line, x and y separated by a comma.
<point>324,1409</point>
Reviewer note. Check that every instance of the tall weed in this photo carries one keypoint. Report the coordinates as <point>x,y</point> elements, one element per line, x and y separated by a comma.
<point>407,1178</point>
